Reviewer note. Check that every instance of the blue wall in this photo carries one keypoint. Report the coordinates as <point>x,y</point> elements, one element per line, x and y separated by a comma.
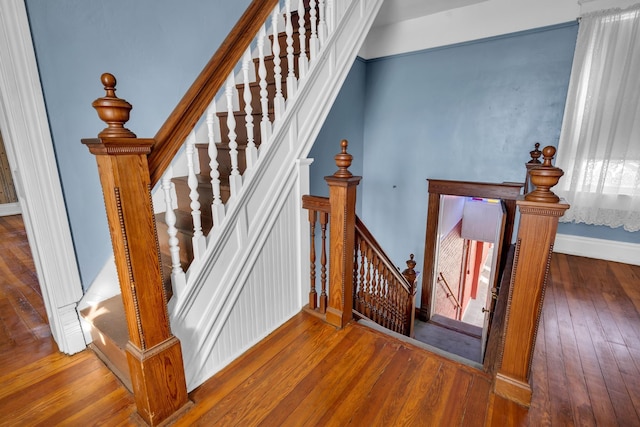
<point>470,111</point>
<point>155,48</point>
<point>345,121</point>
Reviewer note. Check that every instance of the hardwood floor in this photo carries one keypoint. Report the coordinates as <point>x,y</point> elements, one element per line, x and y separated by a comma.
<point>586,367</point>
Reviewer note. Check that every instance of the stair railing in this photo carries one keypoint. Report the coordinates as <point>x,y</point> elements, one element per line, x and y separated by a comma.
<point>362,277</point>
<point>448,290</point>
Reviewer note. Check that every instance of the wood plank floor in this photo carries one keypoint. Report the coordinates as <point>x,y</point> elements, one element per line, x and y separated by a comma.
<point>586,367</point>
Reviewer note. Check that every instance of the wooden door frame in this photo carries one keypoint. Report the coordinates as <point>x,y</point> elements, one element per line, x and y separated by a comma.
<point>507,191</point>
<point>27,138</point>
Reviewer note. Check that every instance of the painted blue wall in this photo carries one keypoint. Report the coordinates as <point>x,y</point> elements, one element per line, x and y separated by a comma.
<point>467,112</point>
<point>155,48</point>
<point>345,121</point>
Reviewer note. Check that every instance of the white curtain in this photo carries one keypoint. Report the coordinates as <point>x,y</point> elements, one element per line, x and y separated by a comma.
<point>599,148</point>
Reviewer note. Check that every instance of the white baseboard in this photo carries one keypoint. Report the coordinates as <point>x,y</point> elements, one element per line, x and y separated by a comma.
<point>610,250</point>
<point>7,209</point>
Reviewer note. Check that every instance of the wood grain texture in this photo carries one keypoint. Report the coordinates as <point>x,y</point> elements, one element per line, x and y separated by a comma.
<point>308,370</point>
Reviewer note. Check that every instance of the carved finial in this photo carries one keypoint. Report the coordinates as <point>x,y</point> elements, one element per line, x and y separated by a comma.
<point>410,273</point>
<point>112,110</point>
<point>535,154</point>
<point>343,161</point>
<point>544,177</point>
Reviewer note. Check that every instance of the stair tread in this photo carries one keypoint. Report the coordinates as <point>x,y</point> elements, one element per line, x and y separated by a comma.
<point>108,316</point>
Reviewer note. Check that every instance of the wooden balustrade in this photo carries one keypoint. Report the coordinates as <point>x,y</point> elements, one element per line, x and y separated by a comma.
<point>363,278</point>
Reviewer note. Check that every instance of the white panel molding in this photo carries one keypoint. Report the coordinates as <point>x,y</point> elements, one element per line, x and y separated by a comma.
<point>215,283</point>
<point>610,250</point>
<point>7,209</point>
<point>25,129</point>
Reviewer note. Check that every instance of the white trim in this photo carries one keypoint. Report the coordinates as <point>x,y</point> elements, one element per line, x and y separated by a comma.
<point>610,250</point>
<point>7,209</point>
<point>25,130</point>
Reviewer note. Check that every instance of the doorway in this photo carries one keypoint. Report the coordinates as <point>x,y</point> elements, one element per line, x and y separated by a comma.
<point>469,225</point>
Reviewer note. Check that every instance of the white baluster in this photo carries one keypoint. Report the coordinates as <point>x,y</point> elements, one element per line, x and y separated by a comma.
<point>278,102</point>
<point>322,24</point>
<point>217,208</point>
<point>177,275</point>
<point>251,153</point>
<point>331,16</point>
<point>314,45</point>
<point>303,61</point>
<point>198,240</point>
<point>292,82</point>
<point>235,180</point>
<point>265,124</point>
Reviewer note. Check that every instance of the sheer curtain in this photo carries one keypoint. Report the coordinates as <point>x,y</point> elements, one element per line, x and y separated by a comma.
<point>599,148</point>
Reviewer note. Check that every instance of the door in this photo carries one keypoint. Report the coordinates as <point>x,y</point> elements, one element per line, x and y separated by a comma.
<point>493,278</point>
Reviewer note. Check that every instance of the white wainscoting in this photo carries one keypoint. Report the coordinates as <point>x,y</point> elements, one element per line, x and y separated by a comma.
<point>610,250</point>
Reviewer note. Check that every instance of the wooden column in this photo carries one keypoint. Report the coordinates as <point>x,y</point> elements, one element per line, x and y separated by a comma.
<point>342,197</point>
<point>153,353</point>
<point>540,211</point>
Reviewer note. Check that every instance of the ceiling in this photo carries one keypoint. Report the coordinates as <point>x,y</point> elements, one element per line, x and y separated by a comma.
<point>393,11</point>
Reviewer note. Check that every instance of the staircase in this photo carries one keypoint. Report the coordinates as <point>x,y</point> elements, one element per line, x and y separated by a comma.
<point>231,254</point>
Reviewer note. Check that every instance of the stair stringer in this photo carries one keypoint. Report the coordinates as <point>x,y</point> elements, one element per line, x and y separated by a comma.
<point>216,317</point>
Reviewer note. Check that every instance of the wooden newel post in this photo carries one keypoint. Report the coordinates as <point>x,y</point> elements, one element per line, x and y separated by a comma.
<point>153,353</point>
<point>410,274</point>
<point>342,197</point>
<point>540,211</point>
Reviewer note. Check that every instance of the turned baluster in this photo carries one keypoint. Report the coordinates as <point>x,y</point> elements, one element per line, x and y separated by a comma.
<point>313,295</point>
<point>324,219</point>
<point>314,43</point>
<point>177,274</point>
<point>342,198</point>
<point>303,60</point>
<point>292,82</point>
<point>251,153</point>
<point>265,123</point>
<point>217,207</point>
<point>235,180</point>
<point>278,101</point>
<point>198,240</point>
<point>322,23</point>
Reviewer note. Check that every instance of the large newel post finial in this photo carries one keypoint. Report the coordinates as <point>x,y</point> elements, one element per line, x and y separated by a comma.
<point>112,110</point>
<point>343,161</point>
<point>544,177</point>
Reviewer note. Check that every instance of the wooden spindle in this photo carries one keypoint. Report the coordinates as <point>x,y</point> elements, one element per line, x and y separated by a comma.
<point>342,197</point>
<point>217,207</point>
<point>313,295</point>
<point>153,353</point>
<point>324,219</point>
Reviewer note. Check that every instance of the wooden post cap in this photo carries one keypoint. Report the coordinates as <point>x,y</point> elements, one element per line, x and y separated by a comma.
<point>544,177</point>
<point>343,161</point>
<point>535,154</point>
<point>112,110</point>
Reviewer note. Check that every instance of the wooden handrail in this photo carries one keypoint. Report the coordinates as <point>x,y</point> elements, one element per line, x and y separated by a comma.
<point>184,117</point>
<point>316,203</point>
<point>366,235</point>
